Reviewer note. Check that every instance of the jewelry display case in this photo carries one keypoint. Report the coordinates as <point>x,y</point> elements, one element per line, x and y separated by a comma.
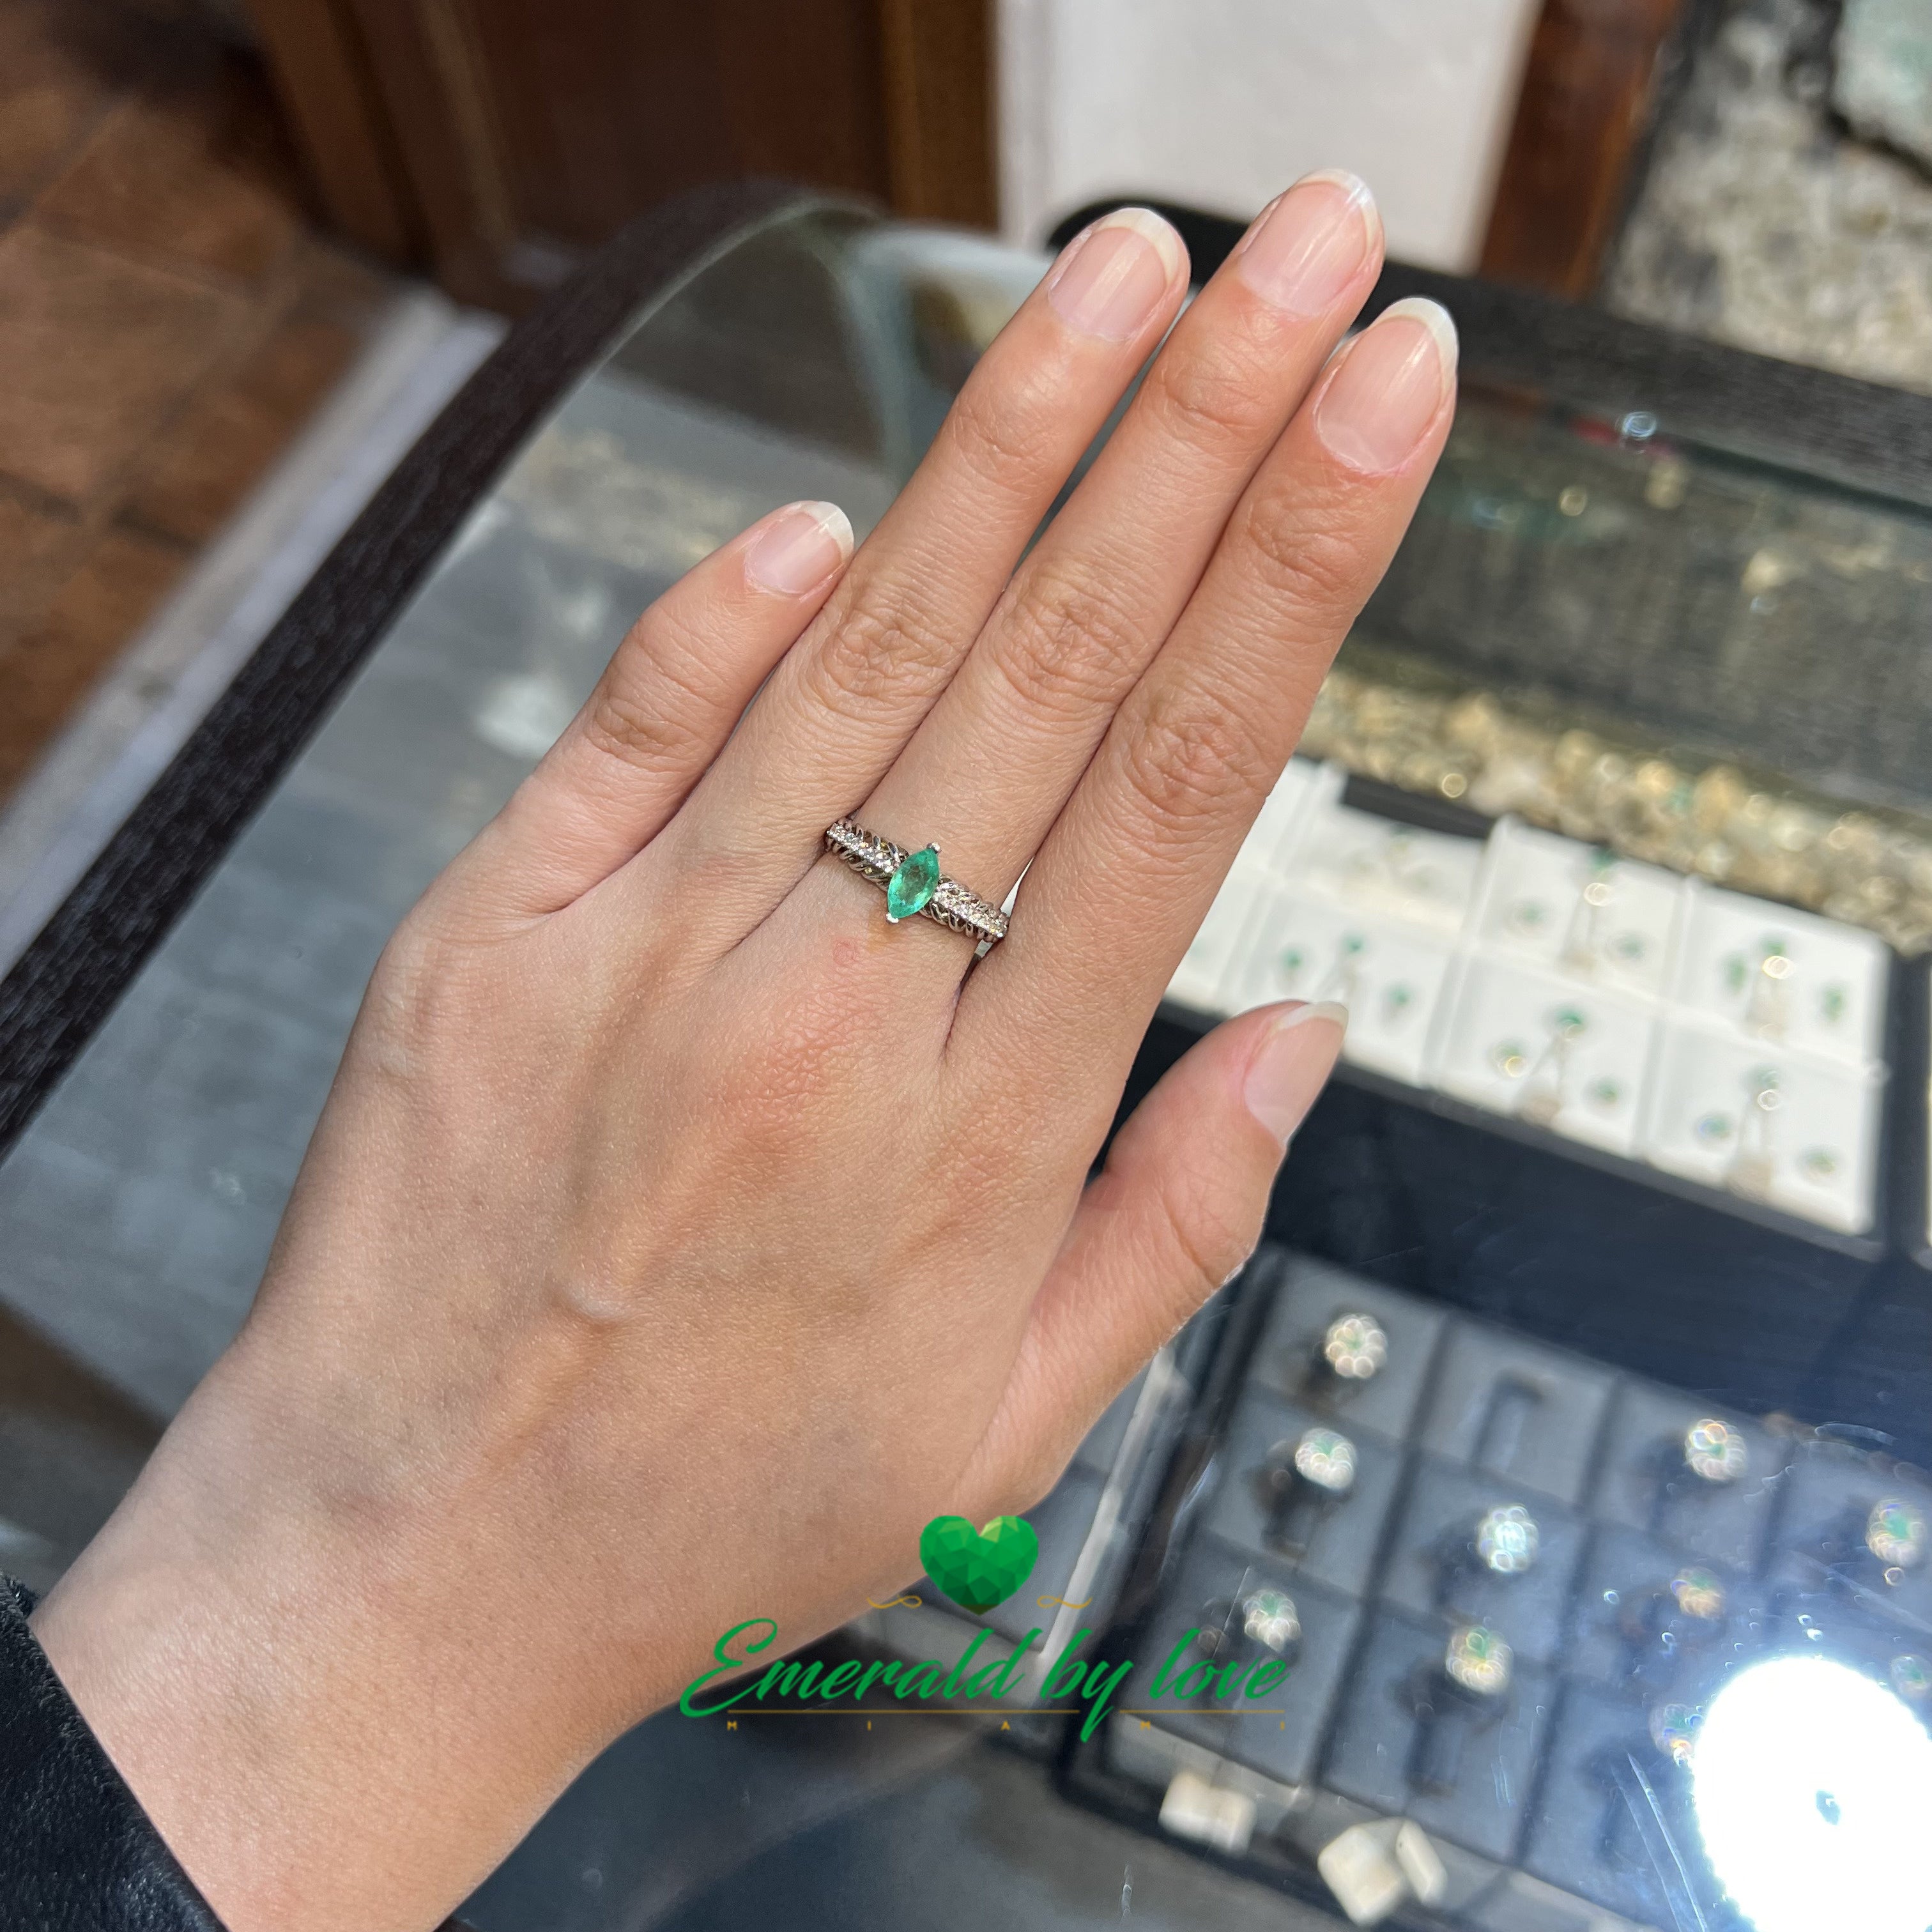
<point>1586,1376</point>
<point>1722,1038</point>
<point>1510,1583</point>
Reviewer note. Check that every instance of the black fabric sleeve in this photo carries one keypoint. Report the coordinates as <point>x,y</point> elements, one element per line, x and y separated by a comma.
<point>77,1853</point>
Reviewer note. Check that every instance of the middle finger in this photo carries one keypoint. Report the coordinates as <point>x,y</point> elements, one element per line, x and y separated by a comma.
<point>988,771</point>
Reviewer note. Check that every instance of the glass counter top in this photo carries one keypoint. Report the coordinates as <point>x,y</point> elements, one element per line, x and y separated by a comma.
<point>1622,805</point>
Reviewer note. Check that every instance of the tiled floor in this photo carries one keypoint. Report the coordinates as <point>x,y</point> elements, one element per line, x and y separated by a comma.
<point>169,318</point>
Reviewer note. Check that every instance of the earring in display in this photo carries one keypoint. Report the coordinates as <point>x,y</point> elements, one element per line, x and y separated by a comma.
<point>1629,949</point>
<point>1355,1347</point>
<point>1340,981</point>
<point>1895,1534</point>
<point>1289,963</point>
<point>1819,1166</point>
<point>1396,1000</point>
<point>1265,1619</point>
<point>1583,944</point>
<point>1755,1162</point>
<point>1831,1004</point>
<point>1394,866</point>
<point>1766,986</point>
<point>1605,1094</point>
<point>1506,1540</point>
<point>1528,917</point>
<point>1715,1451</point>
<point>1546,1081</point>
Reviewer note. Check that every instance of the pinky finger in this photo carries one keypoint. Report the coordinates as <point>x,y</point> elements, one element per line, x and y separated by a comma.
<point>662,710</point>
<point>1177,1210</point>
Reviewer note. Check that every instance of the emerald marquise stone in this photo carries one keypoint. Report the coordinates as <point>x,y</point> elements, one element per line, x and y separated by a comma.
<point>913,885</point>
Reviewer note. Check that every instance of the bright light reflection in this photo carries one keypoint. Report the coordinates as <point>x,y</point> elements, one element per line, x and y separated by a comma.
<point>1813,1786</point>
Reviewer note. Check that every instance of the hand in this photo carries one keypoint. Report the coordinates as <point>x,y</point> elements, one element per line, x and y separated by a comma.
<point>679,1237</point>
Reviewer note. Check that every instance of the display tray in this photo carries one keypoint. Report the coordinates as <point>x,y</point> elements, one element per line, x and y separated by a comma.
<point>1503,1620</point>
<point>1718,1044</point>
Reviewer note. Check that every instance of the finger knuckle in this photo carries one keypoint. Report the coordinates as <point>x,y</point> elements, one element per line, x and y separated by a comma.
<point>1306,560</point>
<point>1066,643</point>
<point>876,649</point>
<point>1210,401</point>
<point>642,731</point>
<point>996,430</point>
<point>1188,754</point>
<point>419,1001</point>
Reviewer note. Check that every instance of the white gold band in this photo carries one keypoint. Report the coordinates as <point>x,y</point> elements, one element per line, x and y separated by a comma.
<point>951,905</point>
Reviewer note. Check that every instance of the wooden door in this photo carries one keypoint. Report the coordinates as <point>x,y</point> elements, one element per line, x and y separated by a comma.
<point>496,141</point>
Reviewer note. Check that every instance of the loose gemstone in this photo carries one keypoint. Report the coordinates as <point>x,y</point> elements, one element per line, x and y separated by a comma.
<point>913,885</point>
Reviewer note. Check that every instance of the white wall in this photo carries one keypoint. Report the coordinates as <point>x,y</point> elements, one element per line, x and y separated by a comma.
<point>1223,103</point>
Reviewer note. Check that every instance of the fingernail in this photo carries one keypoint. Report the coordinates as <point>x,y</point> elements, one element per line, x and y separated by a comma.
<point>1387,386</point>
<point>799,548</point>
<point>1112,277</point>
<point>1291,1065</point>
<point>1310,244</point>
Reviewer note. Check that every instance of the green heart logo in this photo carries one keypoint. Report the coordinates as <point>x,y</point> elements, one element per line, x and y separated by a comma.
<point>978,1568</point>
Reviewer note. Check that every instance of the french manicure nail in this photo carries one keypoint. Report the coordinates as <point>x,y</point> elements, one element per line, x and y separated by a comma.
<point>1310,244</point>
<point>1113,276</point>
<point>1291,1064</point>
<point>799,548</point>
<point>1387,386</point>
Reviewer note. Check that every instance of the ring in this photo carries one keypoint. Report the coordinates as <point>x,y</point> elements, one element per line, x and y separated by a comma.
<point>1715,1451</point>
<point>1895,1533</point>
<point>1326,1458</point>
<point>1478,1659</point>
<point>1270,1618</point>
<point>1355,1347</point>
<point>913,882</point>
<point>1506,1540</point>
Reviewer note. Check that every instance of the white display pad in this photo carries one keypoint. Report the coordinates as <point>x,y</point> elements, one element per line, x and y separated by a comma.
<point>1731,1041</point>
<point>1578,910</point>
<point>1794,1133</point>
<point>1574,1060</point>
<point>1765,973</point>
<point>1389,976</point>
